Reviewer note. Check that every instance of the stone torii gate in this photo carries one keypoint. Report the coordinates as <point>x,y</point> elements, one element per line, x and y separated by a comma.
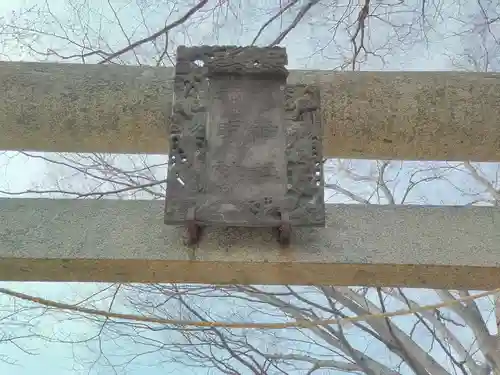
<point>122,109</point>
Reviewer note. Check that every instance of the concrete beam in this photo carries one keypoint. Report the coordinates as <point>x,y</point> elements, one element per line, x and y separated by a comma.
<point>124,109</point>
<point>126,241</point>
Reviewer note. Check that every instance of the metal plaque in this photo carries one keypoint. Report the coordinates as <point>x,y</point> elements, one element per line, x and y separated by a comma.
<point>245,147</point>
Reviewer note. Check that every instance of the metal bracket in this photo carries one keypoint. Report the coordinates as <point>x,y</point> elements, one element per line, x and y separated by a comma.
<point>245,147</point>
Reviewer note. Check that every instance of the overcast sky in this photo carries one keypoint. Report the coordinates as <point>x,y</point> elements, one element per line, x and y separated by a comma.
<point>19,172</point>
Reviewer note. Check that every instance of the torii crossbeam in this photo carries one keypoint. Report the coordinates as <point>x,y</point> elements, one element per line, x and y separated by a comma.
<point>121,109</point>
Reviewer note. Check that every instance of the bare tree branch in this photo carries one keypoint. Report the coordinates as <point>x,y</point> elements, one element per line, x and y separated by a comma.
<point>155,35</point>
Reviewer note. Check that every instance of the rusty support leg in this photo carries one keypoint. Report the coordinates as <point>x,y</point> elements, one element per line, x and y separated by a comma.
<point>285,230</point>
<point>193,229</point>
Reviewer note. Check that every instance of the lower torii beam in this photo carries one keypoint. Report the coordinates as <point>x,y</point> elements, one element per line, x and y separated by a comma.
<point>126,241</point>
<point>372,115</point>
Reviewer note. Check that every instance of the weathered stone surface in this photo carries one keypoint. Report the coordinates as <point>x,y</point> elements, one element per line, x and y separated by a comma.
<point>246,171</point>
<point>187,156</point>
<point>228,136</point>
<point>127,241</point>
<point>304,156</point>
<point>84,108</point>
<point>234,60</point>
<point>245,147</point>
<point>399,115</point>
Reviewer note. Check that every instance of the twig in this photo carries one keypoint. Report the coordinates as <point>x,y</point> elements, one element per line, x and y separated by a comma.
<point>295,22</point>
<point>152,37</point>
<point>270,20</point>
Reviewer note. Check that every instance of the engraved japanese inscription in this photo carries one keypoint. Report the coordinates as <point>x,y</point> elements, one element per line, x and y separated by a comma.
<point>245,147</point>
<point>245,161</point>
